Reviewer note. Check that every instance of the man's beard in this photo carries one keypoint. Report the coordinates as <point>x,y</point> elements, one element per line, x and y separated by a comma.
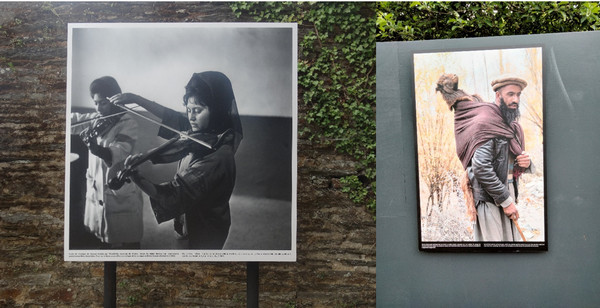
<point>509,115</point>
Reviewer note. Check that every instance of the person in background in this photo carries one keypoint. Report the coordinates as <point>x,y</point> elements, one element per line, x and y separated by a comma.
<point>113,216</point>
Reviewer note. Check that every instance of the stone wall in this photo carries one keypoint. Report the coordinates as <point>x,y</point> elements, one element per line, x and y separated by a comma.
<point>336,238</point>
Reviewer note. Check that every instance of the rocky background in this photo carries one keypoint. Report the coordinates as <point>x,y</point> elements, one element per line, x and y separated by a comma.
<point>336,238</point>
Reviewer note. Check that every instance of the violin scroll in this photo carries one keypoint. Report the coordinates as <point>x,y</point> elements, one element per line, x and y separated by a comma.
<point>122,177</point>
<point>100,127</point>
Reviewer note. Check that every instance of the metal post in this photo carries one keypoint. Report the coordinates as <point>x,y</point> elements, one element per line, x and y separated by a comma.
<point>252,285</point>
<point>110,284</point>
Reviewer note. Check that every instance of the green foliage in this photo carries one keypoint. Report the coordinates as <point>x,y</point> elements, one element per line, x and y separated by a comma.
<point>131,292</point>
<point>409,21</point>
<point>357,192</point>
<point>17,43</point>
<point>336,78</point>
<point>132,300</point>
<point>51,259</point>
<point>290,304</point>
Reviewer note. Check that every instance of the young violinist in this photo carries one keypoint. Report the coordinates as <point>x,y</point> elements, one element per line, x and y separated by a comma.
<point>113,216</point>
<point>202,186</point>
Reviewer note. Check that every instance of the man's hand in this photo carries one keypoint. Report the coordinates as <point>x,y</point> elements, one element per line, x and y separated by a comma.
<point>523,160</point>
<point>511,211</point>
<point>124,98</point>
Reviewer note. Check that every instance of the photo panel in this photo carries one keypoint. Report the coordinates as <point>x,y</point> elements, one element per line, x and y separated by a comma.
<point>181,142</point>
<point>468,144</point>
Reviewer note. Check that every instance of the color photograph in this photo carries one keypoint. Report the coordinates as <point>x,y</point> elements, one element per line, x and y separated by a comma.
<point>479,123</point>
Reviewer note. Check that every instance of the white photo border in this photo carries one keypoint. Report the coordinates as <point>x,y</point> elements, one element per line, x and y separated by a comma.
<point>287,255</point>
<point>481,88</point>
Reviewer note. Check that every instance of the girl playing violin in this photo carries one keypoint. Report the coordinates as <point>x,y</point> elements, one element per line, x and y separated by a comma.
<point>204,181</point>
<point>113,216</point>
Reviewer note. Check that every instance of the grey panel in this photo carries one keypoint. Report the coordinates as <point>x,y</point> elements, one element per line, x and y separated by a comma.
<point>566,275</point>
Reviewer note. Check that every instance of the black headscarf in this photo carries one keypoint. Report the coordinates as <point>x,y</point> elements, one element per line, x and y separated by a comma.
<point>214,89</point>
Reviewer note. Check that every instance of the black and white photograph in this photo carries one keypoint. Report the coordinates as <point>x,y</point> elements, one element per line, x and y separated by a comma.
<point>479,124</point>
<point>181,142</point>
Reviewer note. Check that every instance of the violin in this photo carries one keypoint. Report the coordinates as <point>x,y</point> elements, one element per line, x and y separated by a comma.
<point>173,150</point>
<point>100,127</point>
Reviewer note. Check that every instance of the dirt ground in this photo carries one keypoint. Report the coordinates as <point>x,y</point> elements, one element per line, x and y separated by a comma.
<point>450,222</point>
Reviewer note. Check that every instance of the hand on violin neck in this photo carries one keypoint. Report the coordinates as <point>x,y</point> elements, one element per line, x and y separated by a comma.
<point>131,174</point>
<point>131,160</point>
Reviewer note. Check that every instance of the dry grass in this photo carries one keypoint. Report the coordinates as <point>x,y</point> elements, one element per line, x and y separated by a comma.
<point>449,222</point>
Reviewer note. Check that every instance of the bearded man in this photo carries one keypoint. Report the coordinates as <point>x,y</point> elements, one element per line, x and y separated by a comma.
<point>490,145</point>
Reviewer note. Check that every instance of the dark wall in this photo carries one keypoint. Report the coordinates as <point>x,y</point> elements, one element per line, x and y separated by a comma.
<point>566,275</point>
<point>264,158</point>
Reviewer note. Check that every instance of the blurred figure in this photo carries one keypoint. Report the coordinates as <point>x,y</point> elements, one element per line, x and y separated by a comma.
<point>114,217</point>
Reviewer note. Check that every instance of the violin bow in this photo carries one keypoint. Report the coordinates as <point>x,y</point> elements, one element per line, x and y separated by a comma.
<point>97,118</point>
<point>182,134</point>
<point>131,110</point>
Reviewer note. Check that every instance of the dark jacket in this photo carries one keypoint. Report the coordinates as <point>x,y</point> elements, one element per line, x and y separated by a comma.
<point>200,189</point>
<point>488,171</point>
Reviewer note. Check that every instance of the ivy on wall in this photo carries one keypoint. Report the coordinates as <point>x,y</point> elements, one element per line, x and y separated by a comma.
<point>408,21</point>
<point>336,67</point>
<point>336,79</point>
